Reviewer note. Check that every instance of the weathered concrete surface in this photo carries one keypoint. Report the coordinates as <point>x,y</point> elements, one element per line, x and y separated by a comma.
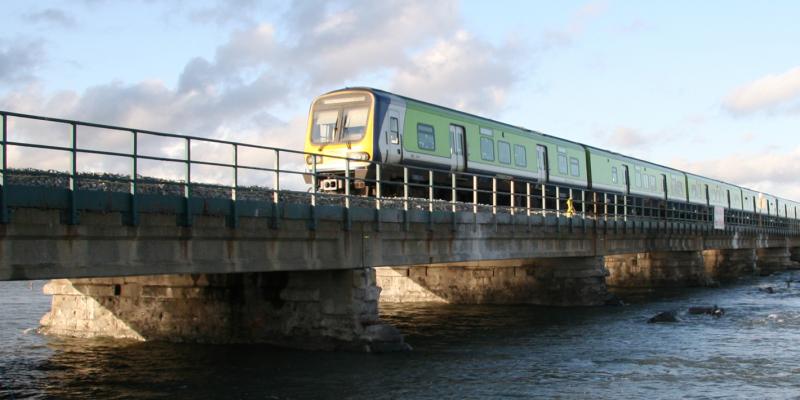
<point>575,281</point>
<point>795,253</point>
<point>37,244</point>
<point>729,264</point>
<point>312,310</point>
<point>657,269</point>
<point>773,259</point>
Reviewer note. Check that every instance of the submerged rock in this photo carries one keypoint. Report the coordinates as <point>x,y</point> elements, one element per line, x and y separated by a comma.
<point>767,289</point>
<point>713,311</point>
<point>664,316</point>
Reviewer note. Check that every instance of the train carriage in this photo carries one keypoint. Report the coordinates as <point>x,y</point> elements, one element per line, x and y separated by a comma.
<point>366,125</point>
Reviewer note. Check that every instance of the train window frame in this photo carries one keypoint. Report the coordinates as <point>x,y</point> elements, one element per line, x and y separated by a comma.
<point>563,161</point>
<point>576,171</point>
<point>614,175</point>
<point>524,156</point>
<point>424,145</point>
<point>354,133</point>
<point>504,152</point>
<point>487,149</point>
<point>394,130</point>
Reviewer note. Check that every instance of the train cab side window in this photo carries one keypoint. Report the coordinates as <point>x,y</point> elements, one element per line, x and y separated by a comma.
<point>487,149</point>
<point>503,152</point>
<point>426,139</point>
<point>574,167</point>
<point>614,176</point>
<point>394,130</point>
<point>520,156</point>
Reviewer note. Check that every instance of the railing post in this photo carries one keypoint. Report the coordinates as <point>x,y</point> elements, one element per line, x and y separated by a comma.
<point>315,187</point>
<point>405,199</point>
<point>583,204</point>
<point>544,200</point>
<point>276,196</point>
<point>528,203</point>
<point>378,191</point>
<point>511,184</point>
<point>605,206</point>
<point>234,200</point>
<point>187,189</point>
<point>475,195</point>
<point>72,218</point>
<point>625,208</point>
<point>430,200</point>
<point>558,201</point>
<point>134,218</point>
<point>347,221</point>
<point>3,201</point>
<point>453,195</point>
<point>494,195</point>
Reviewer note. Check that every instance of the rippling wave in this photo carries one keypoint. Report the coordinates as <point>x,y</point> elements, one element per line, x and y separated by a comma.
<point>460,352</point>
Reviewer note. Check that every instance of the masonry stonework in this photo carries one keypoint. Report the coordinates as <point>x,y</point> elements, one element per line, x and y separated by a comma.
<point>311,310</point>
<point>729,264</point>
<point>657,269</point>
<point>569,281</point>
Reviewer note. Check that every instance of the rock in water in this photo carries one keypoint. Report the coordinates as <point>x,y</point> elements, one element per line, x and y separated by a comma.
<point>665,316</point>
<point>713,311</point>
<point>767,289</point>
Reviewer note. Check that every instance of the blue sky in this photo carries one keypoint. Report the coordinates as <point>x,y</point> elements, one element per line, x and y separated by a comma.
<point>712,87</point>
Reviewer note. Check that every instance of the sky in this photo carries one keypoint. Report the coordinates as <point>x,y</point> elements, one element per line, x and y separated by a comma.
<point>709,87</point>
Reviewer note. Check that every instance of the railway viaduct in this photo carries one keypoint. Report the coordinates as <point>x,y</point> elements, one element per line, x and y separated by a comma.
<point>302,269</point>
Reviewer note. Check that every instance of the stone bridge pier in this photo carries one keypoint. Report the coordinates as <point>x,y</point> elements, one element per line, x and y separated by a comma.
<point>560,281</point>
<point>311,309</point>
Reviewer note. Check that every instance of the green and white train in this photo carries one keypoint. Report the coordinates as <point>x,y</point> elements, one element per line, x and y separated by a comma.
<point>373,125</point>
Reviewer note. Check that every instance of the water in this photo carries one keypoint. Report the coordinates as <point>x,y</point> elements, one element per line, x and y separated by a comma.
<point>460,352</point>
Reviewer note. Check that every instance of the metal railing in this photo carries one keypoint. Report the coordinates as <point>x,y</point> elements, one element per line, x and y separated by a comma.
<point>392,186</point>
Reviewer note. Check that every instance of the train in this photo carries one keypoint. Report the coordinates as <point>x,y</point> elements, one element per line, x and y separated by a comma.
<point>369,125</point>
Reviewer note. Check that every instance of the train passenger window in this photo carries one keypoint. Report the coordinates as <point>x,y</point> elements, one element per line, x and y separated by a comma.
<point>574,167</point>
<point>394,130</point>
<point>562,161</point>
<point>614,176</point>
<point>487,149</point>
<point>355,124</point>
<point>637,178</point>
<point>651,182</point>
<point>486,131</point>
<point>503,152</point>
<point>426,139</point>
<point>324,127</point>
<point>520,156</point>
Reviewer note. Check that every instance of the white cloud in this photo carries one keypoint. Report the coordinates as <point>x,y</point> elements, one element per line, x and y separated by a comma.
<point>438,74</point>
<point>769,93</point>
<point>772,171</point>
<point>628,138</point>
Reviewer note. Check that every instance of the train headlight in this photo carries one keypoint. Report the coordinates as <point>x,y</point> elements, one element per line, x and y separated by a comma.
<point>358,155</point>
<point>310,159</point>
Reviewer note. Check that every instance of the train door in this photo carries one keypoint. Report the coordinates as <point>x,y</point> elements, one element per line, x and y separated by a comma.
<point>457,153</point>
<point>708,197</point>
<point>729,198</point>
<point>664,186</point>
<point>541,157</point>
<point>627,177</point>
<point>394,138</point>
